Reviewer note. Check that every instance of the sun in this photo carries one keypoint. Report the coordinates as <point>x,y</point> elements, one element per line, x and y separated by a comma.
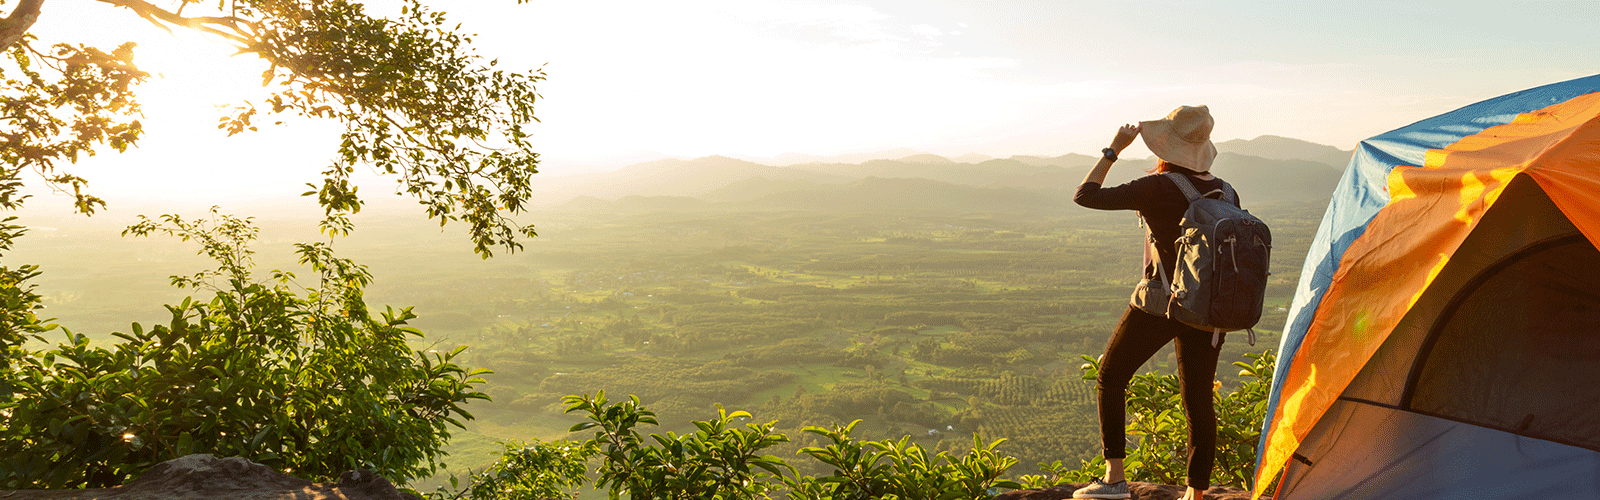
<point>195,79</point>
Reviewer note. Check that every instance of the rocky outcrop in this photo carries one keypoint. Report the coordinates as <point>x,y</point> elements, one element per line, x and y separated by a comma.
<point>204,477</point>
<point>1141,491</point>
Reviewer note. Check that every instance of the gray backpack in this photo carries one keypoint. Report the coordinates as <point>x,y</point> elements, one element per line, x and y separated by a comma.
<point>1221,278</point>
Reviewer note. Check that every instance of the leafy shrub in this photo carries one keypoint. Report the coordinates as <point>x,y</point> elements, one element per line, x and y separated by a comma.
<point>900,470</point>
<point>306,380</point>
<point>718,461</point>
<point>531,471</point>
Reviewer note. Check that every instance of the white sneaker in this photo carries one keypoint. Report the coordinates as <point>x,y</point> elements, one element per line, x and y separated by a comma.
<point>1099,489</point>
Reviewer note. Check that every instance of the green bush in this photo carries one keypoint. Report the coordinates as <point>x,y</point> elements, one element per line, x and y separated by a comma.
<point>718,461</point>
<point>529,471</point>
<point>303,379</point>
<point>900,470</point>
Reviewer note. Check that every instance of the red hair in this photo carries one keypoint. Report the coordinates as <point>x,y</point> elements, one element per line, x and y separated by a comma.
<point>1163,166</point>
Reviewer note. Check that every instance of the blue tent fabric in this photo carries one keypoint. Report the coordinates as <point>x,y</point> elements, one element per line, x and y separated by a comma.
<point>1363,192</point>
<point>1420,456</point>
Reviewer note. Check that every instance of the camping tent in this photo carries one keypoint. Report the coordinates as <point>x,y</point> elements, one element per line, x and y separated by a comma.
<point>1444,341</point>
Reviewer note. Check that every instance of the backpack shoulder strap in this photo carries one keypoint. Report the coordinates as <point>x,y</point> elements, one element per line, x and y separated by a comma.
<point>1184,185</point>
<point>1190,192</point>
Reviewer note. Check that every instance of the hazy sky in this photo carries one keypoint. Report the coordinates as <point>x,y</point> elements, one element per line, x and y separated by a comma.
<point>760,78</point>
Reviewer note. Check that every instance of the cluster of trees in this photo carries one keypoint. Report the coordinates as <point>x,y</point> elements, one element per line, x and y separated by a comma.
<point>794,351</point>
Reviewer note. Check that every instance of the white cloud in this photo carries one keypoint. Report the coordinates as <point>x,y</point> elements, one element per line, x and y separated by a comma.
<point>849,22</point>
<point>927,31</point>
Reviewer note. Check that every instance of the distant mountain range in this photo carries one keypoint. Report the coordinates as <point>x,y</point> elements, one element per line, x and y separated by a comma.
<point>1265,169</point>
<point>1273,147</point>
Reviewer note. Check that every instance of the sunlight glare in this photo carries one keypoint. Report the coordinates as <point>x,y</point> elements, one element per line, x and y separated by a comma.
<point>195,79</point>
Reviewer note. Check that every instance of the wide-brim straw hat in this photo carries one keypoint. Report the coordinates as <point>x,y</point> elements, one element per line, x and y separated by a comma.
<point>1182,138</point>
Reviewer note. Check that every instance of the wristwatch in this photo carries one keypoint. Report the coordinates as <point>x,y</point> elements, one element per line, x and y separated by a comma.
<point>1110,154</point>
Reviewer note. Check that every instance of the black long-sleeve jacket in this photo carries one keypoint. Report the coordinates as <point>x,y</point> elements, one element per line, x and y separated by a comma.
<point>1157,200</point>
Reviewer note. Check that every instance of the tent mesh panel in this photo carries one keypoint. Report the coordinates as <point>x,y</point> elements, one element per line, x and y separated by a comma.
<point>1519,350</point>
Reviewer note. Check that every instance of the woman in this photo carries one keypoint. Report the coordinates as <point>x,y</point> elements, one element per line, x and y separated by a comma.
<point>1182,142</point>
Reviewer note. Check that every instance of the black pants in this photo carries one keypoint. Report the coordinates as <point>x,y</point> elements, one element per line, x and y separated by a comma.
<point>1137,337</point>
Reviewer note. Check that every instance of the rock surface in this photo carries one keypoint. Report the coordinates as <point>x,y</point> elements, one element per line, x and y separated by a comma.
<point>1141,491</point>
<point>204,477</point>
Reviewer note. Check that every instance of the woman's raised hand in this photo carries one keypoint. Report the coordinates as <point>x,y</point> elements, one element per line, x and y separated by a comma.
<point>1124,137</point>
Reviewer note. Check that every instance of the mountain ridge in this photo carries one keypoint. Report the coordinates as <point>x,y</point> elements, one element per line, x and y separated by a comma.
<point>1274,147</point>
<point>1291,170</point>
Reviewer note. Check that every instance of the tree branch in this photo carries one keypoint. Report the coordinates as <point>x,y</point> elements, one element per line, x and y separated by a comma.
<point>19,22</point>
<point>161,18</point>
